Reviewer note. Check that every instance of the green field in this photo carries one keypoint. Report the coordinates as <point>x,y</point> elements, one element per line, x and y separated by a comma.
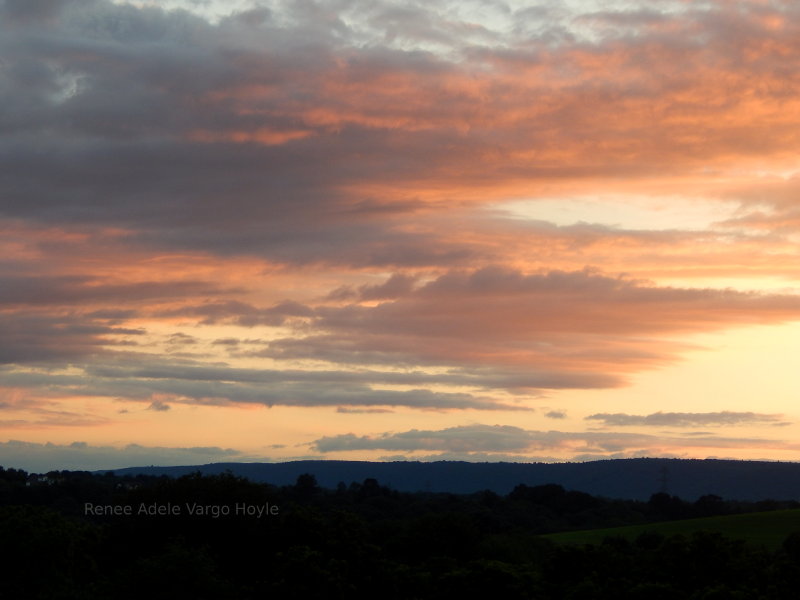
<point>764,528</point>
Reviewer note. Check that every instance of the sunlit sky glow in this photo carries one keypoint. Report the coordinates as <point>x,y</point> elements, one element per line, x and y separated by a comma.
<point>388,230</point>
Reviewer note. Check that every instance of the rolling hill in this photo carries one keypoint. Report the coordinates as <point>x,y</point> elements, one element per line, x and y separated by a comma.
<point>636,478</point>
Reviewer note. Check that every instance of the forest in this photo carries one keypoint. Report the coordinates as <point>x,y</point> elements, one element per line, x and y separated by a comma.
<point>81,535</point>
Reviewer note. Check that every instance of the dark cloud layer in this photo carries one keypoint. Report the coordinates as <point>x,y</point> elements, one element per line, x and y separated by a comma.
<point>79,290</point>
<point>221,386</point>
<point>42,337</point>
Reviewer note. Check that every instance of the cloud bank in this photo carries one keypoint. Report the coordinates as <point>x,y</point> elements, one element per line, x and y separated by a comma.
<point>80,456</point>
<point>378,207</point>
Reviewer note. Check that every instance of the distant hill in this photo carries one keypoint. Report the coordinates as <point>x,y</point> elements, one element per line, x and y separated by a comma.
<point>636,478</point>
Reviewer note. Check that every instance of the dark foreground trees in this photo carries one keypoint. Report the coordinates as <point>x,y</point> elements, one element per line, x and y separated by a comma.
<point>205,537</point>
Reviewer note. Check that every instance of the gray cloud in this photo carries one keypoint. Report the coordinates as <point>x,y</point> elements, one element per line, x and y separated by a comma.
<point>210,385</point>
<point>159,406</point>
<point>472,457</point>
<point>31,12</point>
<point>357,411</point>
<point>674,419</point>
<point>61,290</point>
<point>243,314</point>
<point>528,381</point>
<point>33,337</point>
<point>181,339</point>
<point>397,285</point>
<point>62,318</point>
<point>466,438</point>
<point>39,458</point>
<point>507,438</point>
<point>556,414</point>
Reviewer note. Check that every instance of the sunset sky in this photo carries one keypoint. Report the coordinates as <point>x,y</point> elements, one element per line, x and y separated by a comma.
<point>384,230</point>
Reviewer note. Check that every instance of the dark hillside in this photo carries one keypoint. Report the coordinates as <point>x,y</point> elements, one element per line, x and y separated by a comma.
<point>636,478</point>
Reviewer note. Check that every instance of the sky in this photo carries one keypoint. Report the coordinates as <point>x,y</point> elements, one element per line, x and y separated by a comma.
<point>476,230</point>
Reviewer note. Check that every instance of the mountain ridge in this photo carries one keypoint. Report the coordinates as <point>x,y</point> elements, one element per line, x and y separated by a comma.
<point>630,478</point>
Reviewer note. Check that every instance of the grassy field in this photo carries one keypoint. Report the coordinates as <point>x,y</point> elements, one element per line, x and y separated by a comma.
<point>765,528</point>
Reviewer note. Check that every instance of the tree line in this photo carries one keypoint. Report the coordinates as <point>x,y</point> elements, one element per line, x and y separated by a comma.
<point>60,539</point>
